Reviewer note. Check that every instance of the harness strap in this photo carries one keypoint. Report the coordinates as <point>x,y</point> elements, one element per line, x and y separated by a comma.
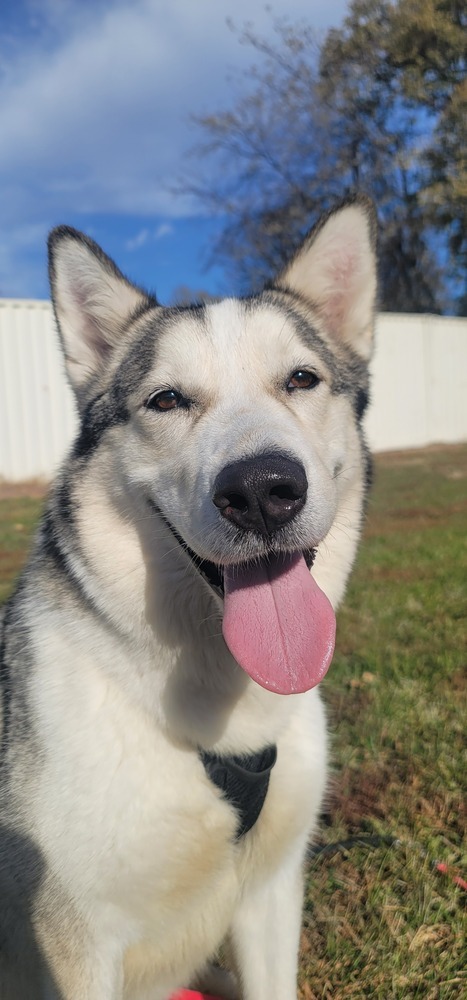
<point>243,780</point>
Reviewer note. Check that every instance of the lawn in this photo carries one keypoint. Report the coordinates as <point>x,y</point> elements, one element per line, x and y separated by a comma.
<point>381,920</point>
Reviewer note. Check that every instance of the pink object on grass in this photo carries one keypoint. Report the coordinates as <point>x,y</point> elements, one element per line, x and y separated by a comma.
<point>192,995</point>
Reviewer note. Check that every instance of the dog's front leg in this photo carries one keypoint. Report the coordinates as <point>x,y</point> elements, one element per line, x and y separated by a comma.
<point>265,934</point>
<point>33,982</point>
<point>80,970</point>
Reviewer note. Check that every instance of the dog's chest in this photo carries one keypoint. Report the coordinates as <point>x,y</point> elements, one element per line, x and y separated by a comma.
<point>132,819</point>
<point>135,820</point>
<point>176,836</point>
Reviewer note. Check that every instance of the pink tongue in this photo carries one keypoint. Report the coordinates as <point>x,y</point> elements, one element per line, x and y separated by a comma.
<point>278,624</point>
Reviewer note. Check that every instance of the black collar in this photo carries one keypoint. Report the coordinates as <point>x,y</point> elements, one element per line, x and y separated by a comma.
<point>243,779</point>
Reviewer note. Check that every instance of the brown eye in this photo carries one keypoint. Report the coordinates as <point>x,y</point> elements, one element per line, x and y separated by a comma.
<point>167,399</point>
<point>302,380</point>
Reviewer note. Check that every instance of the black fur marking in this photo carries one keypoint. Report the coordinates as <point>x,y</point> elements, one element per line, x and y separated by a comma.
<point>197,309</point>
<point>212,574</point>
<point>368,466</point>
<point>53,549</point>
<point>50,543</point>
<point>58,533</point>
<point>147,305</point>
<point>283,303</point>
<point>15,664</point>
<point>243,780</point>
<point>98,416</point>
<point>65,503</point>
<point>5,684</point>
<point>348,372</point>
<point>361,402</point>
<point>110,408</point>
<point>137,362</point>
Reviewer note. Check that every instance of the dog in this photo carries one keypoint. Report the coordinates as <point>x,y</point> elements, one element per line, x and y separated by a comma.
<point>163,740</point>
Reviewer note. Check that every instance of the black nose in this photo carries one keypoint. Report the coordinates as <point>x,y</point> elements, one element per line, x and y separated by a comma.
<point>261,493</point>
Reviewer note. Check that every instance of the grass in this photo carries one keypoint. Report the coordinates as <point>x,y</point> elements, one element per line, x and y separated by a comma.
<point>382,922</point>
<point>18,518</point>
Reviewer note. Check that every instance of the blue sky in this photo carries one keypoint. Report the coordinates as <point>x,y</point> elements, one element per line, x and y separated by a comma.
<point>95,105</point>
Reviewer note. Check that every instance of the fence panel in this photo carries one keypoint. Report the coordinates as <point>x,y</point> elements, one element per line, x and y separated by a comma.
<point>37,410</point>
<point>419,382</point>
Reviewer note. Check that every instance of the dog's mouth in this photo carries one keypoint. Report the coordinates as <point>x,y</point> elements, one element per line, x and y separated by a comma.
<point>277,622</point>
<point>214,573</point>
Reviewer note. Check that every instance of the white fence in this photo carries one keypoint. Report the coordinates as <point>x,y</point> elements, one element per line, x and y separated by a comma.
<point>37,410</point>
<point>419,387</point>
<point>419,382</point>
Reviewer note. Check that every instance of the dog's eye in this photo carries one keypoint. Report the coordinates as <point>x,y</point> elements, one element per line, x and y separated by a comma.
<point>302,380</point>
<point>166,399</point>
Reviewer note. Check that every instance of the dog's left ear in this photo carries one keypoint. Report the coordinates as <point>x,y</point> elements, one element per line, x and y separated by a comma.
<point>93,304</point>
<point>334,272</point>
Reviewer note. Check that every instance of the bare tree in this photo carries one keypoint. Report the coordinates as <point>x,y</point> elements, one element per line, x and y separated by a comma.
<point>316,122</point>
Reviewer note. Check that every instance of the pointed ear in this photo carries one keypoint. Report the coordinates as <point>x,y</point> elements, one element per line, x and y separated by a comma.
<point>93,303</point>
<point>334,272</point>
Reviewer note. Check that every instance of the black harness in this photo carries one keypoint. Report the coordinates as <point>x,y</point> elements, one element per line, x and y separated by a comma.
<point>243,780</point>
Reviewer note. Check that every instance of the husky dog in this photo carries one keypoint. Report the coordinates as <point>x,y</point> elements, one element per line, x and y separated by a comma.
<point>163,742</point>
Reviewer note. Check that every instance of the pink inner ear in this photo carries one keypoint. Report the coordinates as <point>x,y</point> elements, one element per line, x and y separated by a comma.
<point>97,341</point>
<point>83,295</point>
<point>342,284</point>
<point>343,269</point>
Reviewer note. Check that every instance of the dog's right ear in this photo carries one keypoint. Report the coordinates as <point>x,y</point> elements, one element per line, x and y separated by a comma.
<point>93,303</point>
<point>334,273</point>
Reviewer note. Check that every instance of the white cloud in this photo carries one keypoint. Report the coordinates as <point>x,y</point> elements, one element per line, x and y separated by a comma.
<point>164,229</point>
<point>143,236</point>
<point>96,116</point>
<point>138,241</point>
<point>95,100</point>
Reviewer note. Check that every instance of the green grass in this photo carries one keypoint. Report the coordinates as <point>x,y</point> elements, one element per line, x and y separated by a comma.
<point>18,519</point>
<point>381,922</point>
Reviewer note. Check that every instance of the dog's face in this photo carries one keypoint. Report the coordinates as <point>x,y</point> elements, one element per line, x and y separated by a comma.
<point>233,420</point>
<point>235,432</point>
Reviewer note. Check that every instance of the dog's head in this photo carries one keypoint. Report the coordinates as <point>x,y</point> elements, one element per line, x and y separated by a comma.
<point>239,419</point>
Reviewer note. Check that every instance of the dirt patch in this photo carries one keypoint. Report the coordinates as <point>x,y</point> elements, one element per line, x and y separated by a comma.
<point>406,519</point>
<point>386,789</point>
<point>359,796</point>
<point>417,456</point>
<point>35,488</point>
